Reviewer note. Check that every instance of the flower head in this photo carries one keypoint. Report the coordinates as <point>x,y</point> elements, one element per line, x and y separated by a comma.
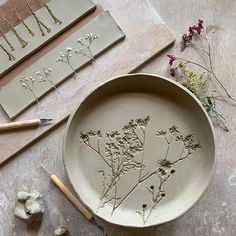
<point>187,37</point>
<point>172,72</point>
<point>68,49</point>
<point>172,58</point>
<point>198,27</point>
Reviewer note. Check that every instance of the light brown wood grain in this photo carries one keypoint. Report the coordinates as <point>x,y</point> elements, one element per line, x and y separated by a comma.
<point>214,215</point>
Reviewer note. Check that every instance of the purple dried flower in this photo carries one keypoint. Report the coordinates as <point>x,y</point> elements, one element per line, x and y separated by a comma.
<point>172,58</point>
<point>198,27</point>
<point>172,72</point>
<point>187,37</point>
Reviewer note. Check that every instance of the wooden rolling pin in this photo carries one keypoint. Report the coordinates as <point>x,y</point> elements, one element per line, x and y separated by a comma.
<point>23,124</point>
<point>75,201</point>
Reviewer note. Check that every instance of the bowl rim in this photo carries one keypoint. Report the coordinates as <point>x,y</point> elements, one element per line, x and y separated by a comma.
<point>211,175</point>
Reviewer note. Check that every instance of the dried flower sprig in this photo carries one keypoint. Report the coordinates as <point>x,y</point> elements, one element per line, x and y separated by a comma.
<point>24,24</point>
<point>85,43</point>
<point>28,84</point>
<point>23,43</point>
<point>193,80</point>
<point>187,37</point>
<point>65,57</point>
<point>40,24</point>
<point>45,76</point>
<point>121,149</point>
<point>7,41</point>
<point>196,83</point>
<point>123,152</point>
<point>10,56</point>
<point>166,168</point>
<point>56,20</point>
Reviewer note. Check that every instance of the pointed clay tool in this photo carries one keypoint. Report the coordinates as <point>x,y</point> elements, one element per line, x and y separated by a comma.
<point>75,201</point>
<point>24,124</point>
<point>71,197</point>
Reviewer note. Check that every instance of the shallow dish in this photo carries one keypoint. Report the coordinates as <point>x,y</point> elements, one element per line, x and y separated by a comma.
<point>139,150</point>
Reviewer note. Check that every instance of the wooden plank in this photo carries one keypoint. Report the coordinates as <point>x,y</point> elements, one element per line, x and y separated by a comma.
<point>68,11</point>
<point>146,35</point>
<point>214,215</point>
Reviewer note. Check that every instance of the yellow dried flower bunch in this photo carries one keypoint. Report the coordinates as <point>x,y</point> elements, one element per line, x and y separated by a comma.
<point>195,82</point>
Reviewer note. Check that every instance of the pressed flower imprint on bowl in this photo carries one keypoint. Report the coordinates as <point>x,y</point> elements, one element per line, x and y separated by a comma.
<point>123,152</point>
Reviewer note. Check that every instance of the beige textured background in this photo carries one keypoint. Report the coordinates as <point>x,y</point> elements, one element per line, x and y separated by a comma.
<point>216,212</point>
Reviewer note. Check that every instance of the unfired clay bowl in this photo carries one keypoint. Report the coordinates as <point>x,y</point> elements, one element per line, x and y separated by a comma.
<point>139,150</point>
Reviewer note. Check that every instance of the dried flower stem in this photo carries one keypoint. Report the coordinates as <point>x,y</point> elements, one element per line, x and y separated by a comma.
<point>25,25</point>
<point>28,84</point>
<point>56,20</point>
<point>10,56</point>
<point>85,44</point>
<point>7,41</point>
<point>65,58</point>
<point>45,76</point>
<point>192,80</point>
<point>40,24</point>
<point>166,167</point>
<point>209,71</point>
<point>23,43</point>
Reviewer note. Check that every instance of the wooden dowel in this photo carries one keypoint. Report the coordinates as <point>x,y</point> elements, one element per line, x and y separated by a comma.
<point>75,201</point>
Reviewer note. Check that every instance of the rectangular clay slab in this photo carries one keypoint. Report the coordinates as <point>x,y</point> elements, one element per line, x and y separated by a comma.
<point>15,99</point>
<point>68,11</point>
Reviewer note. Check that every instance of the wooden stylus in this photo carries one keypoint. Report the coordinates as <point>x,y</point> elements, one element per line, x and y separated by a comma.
<point>75,201</point>
<point>23,124</point>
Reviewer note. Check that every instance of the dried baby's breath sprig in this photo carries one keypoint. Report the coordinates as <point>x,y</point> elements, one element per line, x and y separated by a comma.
<point>7,41</point>
<point>23,43</point>
<point>45,76</point>
<point>85,45</point>
<point>65,57</point>
<point>28,84</point>
<point>40,24</point>
<point>56,20</point>
<point>10,56</point>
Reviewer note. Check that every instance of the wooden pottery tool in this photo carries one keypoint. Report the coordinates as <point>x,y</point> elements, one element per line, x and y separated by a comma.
<point>75,201</point>
<point>24,124</point>
<point>71,197</point>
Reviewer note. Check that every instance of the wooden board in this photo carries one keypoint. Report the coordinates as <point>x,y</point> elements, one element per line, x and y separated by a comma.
<point>214,215</point>
<point>14,99</point>
<point>68,11</point>
<point>146,35</point>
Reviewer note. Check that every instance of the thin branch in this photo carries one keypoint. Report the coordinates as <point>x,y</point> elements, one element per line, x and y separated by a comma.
<point>168,146</point>
<point>99,154</point>
<point>141,169</point>
<point>134,187</point>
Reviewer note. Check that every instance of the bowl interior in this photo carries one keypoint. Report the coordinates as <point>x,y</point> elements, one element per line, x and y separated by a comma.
<point>163,175</point>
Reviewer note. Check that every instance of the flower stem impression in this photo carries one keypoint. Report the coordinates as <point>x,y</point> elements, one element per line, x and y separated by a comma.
<point>194,81</point>
<point>56,20</point>
<point>28,84</point>
<point>40,24</point>
<point>65,58</point>
<point>10,56</point>
<point>85,45</point>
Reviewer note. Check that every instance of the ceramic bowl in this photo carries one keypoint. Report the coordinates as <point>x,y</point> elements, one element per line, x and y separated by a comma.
<point>139,150</point>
